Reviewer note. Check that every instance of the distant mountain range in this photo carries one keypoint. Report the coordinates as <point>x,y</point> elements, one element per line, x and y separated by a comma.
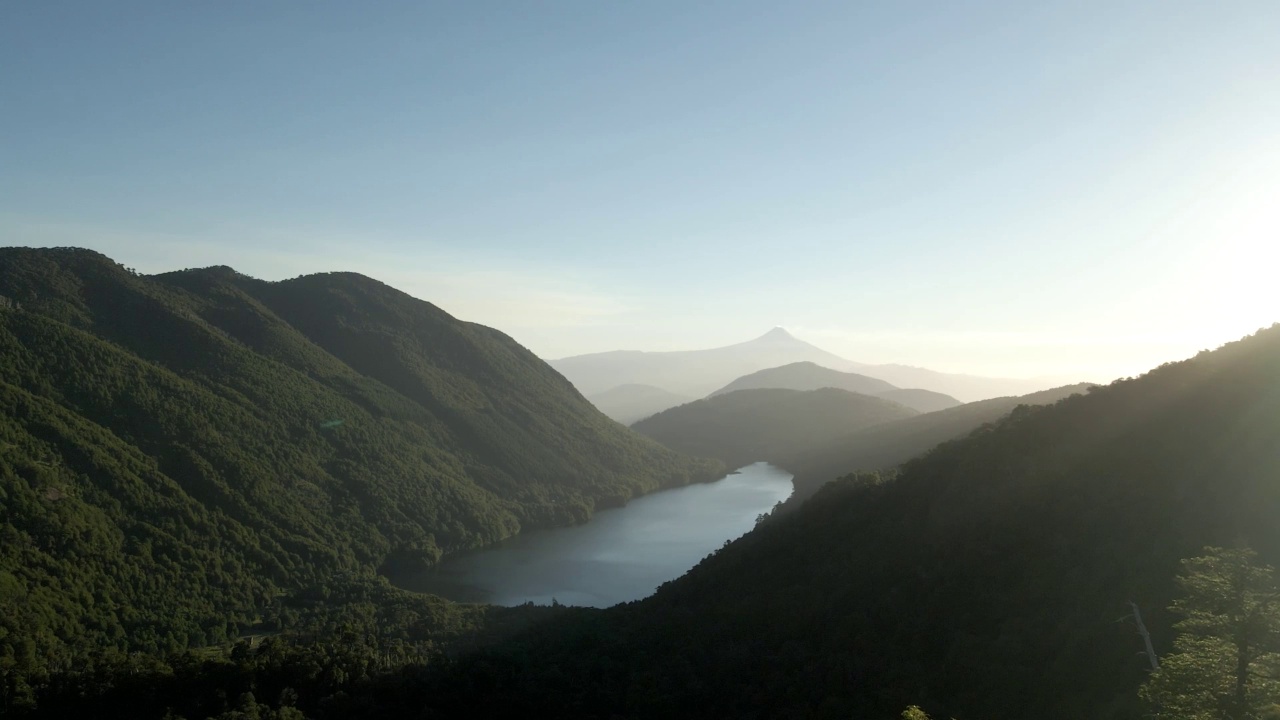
<point>746,426</point>
<point>629,403</point>
<point>811,376</point>
<point>696,373</point>
<point>632,402</point>
<point>822,434</point>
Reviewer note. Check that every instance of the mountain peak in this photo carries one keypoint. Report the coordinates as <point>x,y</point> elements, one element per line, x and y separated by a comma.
<point>777,334</point>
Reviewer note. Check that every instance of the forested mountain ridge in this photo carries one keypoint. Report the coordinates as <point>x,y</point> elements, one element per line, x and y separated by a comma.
<point>746,426</point>
<point>811,376</point>
<point>179,451</point>
<point>886,445</point>
<point>989,579</point>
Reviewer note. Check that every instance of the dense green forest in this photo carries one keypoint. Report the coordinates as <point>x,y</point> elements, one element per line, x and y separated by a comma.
<point>747,426</point>
<point>200,473</point>
<point>992,578</point>
<point>190,457</point>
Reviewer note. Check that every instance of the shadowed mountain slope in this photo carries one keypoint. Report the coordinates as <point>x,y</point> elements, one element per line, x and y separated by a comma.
<point>746,426</point>
<point>985,581</point>
<point>884,446</point>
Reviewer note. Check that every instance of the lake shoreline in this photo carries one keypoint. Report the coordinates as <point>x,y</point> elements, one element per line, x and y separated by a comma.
<point>619,554</point>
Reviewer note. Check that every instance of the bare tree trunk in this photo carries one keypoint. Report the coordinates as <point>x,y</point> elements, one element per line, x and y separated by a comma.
<point>1242,676</point>
<point>1146,636</point>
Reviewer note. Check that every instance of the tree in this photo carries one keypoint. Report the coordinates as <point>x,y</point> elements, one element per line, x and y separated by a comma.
<point>1226,659</point>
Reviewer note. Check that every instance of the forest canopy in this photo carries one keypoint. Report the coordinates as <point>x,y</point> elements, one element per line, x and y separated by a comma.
<point>182,454</point>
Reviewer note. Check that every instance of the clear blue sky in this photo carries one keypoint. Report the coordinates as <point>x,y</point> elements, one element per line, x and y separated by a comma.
<point>1020,188</point>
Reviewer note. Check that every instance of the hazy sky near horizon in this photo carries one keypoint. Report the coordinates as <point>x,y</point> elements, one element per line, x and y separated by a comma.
<point>1077,189</point>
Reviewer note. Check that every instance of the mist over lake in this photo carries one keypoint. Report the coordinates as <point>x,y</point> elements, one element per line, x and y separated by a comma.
<point>622,554</point>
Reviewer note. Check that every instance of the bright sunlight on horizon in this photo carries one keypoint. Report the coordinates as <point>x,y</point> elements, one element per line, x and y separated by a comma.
<point>1078,191</point>
<point>695,359</point>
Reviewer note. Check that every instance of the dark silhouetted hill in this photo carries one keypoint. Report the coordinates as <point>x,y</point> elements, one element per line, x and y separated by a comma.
<point>747,426</point>
<point>885,446</point>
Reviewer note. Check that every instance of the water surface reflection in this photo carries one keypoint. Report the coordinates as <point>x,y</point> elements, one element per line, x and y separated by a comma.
<point>622,554</point>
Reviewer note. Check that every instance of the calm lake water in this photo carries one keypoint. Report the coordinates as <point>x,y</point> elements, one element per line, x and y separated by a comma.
<point>622,554</point>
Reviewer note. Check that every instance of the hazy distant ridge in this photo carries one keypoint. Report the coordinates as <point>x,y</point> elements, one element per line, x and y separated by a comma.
<point>811,376</point>
<point>807,376</point>
<point>700,372</point>
<point>632,402</point>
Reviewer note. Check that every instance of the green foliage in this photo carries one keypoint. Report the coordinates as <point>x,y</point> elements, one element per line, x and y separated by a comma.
<point>183,456</point>
<point>348,641</point>
<point>184,531</point>
<point>746,426</point>
<point>1226,659</point>
<point>983,581</point>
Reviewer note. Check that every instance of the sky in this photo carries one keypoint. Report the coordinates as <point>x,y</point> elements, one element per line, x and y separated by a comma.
<point>1079,189</point>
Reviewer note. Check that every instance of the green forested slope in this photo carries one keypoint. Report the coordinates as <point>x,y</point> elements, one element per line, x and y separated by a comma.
<point>987,581</point>
<point>746,426</point>
<point>178,451</point>
<point>183,456</point>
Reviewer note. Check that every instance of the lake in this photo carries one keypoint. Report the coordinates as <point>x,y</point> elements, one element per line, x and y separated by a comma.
<point>621,554</point>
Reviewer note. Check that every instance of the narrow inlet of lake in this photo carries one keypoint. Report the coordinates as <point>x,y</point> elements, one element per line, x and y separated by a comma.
<point>621,554</point>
